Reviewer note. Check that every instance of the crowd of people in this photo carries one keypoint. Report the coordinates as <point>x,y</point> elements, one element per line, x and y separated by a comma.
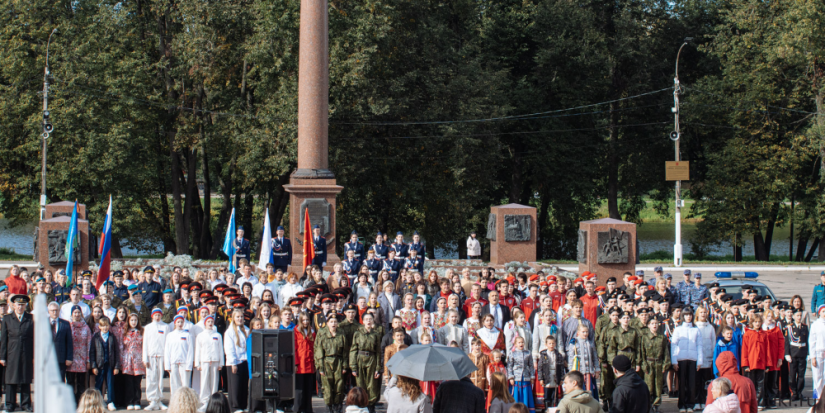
<point>538,340</point>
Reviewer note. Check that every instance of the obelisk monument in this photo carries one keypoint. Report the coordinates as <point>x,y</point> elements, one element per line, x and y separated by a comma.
<point>312,186</point>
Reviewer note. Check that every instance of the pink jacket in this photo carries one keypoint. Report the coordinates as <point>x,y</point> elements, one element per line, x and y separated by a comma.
<point>726,404</point>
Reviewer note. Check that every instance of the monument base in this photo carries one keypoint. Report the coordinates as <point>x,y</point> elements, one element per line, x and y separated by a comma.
<point>317,195</point>
<point>607,248</point>
<point>50,238</point>
<point>512,231</point>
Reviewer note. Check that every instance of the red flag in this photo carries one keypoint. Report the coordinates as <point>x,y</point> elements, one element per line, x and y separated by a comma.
<point>309,245</point>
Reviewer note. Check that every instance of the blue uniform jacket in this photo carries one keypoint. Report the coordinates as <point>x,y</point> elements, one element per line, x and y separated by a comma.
<point>374,265</point>
<point>281,252</point>
<point>151,292</point>
<point>320,244</point>
<point>419,249</point>
<point>122,292</point>
<point>241,248</point>
<point>392,267</point>
<point>351,267</point>
<point>416,264</point>
<point>381,251</point>
<point>818,299</point>
<point>401,250</point>
<point>61,294</point>
<point>357,247</point>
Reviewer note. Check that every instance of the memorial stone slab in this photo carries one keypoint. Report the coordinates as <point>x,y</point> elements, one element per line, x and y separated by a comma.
<point>582,247</point>
<point>491,227</point>
<point>517,228</point>
<point>607,247</point>
<point>613,247</point>
<point>319,214</point>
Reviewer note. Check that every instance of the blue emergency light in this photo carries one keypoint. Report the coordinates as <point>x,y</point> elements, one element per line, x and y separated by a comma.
<point>736,274</point>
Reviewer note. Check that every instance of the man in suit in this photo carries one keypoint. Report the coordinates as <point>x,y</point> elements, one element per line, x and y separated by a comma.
<point>281,251</point>
<point>320,245</point>
<point>17,354</point>
<point>62,336</point>
<point>500,312</point>
<point>241,246</point>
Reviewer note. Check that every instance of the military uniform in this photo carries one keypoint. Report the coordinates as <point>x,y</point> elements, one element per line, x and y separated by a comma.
<point>281,253</point>
<point>401,250</point>
<point>319,244</point>
<point>144,315</point>
<point>655,356</point>
<point>241,250</point>
<point>365,357</point>
<point>374,265</point>
<point>354,246</point>
<point>416,264</point>
<point>380,251</point>
<point>332,360</point>
<point>351,267</point>
<point>168,312</point>
<point>392,266</point>
<point>624,342</point>
<point>607,377</point>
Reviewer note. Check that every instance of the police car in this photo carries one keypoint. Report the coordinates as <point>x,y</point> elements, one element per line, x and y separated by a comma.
<point>733,281</point>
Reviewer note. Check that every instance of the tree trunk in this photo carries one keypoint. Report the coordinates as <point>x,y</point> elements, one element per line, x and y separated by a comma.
<point>759,247</point>
<point>813,248</point>
<point>181,237</point>
<point>737,248</point>
<point>226,189</point>
<point>769,230</point>
<point>116,251</point>
<point>820,120</point>
<point>192,201</point>
<point>802,246</point>
<point>249,205</point>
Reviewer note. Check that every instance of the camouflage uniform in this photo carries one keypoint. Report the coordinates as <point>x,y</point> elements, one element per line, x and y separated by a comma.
<point>332,359</point>
<point>366,360</point>
<point>655,358</point>
<point>606,385</point>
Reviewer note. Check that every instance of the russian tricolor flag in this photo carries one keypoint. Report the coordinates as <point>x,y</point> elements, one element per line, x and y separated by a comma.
<point>105,249</point>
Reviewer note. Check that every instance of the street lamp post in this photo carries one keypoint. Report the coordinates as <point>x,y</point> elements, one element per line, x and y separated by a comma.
<point>47,129</point>
<point>675,136</point>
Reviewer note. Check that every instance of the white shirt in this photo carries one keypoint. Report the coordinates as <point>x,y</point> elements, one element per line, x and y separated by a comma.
<point>241,280</point>
<point>209,348</point>
<point>154,340</point>
<point>235,352</point>
<point>179,349</point>
<point>496,312</point>
<point>816,339</point>
<point>66,310</point>
<point>287,292</point>
<point>488,336</point>
<point>109,313</point>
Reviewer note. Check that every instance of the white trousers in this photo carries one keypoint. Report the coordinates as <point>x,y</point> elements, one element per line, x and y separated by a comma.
<point>154,379</point>
<point>209,378</point>
<point>178,377</point>
<point>196,381</point>
<point>818,372</point>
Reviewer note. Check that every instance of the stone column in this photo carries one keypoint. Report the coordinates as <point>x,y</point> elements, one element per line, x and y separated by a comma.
<point>313,91</point>
<point>50,238</point>
<point>312,186</point>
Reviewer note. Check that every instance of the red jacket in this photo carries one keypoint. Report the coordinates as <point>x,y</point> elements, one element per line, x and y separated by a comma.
<point>468,305</point>
<point>528,305</point>
<point>17,285</point>
<point>591,307</point>
<point>755,354</point>
<point>776,346</point>
<point>304,355</point>
<point>742,386</point>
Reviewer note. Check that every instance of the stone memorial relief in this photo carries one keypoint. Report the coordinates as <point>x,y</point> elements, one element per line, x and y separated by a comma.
<point>517,227</point>
<point>491,227</point>
<point>582,247</point>
<point>35,256</point>
<point>614,247</point>
<point>57,247</point>
<point>319,214</point>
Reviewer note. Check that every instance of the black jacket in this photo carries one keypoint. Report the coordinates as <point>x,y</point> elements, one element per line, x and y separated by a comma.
<point>459,396</point>
<point>96,352</point>
<point>63,347</point>
<point>505,313</point>
<point>631,394</point>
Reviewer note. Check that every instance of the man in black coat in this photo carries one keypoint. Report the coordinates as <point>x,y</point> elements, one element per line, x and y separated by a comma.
<point>62,336</point>
<point>17,354</point>
<point>631,393</point>
<point>459,396</point>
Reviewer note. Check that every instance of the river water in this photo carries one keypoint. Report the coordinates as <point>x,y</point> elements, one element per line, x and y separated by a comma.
<point>652,237</point>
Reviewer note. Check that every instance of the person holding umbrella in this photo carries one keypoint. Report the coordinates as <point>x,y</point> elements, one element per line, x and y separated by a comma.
<point>366,361</point>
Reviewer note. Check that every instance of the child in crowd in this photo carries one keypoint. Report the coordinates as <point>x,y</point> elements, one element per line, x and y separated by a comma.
<point>104,356</point>
<point>496,365</point>
<point>500,399</point>
<point>655,359</point>
<point>179,355</point>
<point>520,372</point>
<point>796,353</point>
<point>550,371</point>
<point>428,387</point>
<point>725,342</point>
<point>582,357</point>
<point>479,377</point>
<point>755,355</point>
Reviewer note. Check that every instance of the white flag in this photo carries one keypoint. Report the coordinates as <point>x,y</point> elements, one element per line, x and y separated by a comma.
<point>50,393</point>
<point>266,244</point>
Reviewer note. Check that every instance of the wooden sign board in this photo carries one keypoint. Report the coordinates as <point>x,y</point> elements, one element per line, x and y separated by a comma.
<point>677,171</point>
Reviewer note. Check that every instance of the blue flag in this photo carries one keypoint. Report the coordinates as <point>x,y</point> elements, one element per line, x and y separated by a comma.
<point>228,242</point>
<point>71,243</point>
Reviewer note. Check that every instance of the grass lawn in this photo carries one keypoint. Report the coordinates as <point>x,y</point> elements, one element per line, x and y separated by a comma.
<point>8,254</point>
